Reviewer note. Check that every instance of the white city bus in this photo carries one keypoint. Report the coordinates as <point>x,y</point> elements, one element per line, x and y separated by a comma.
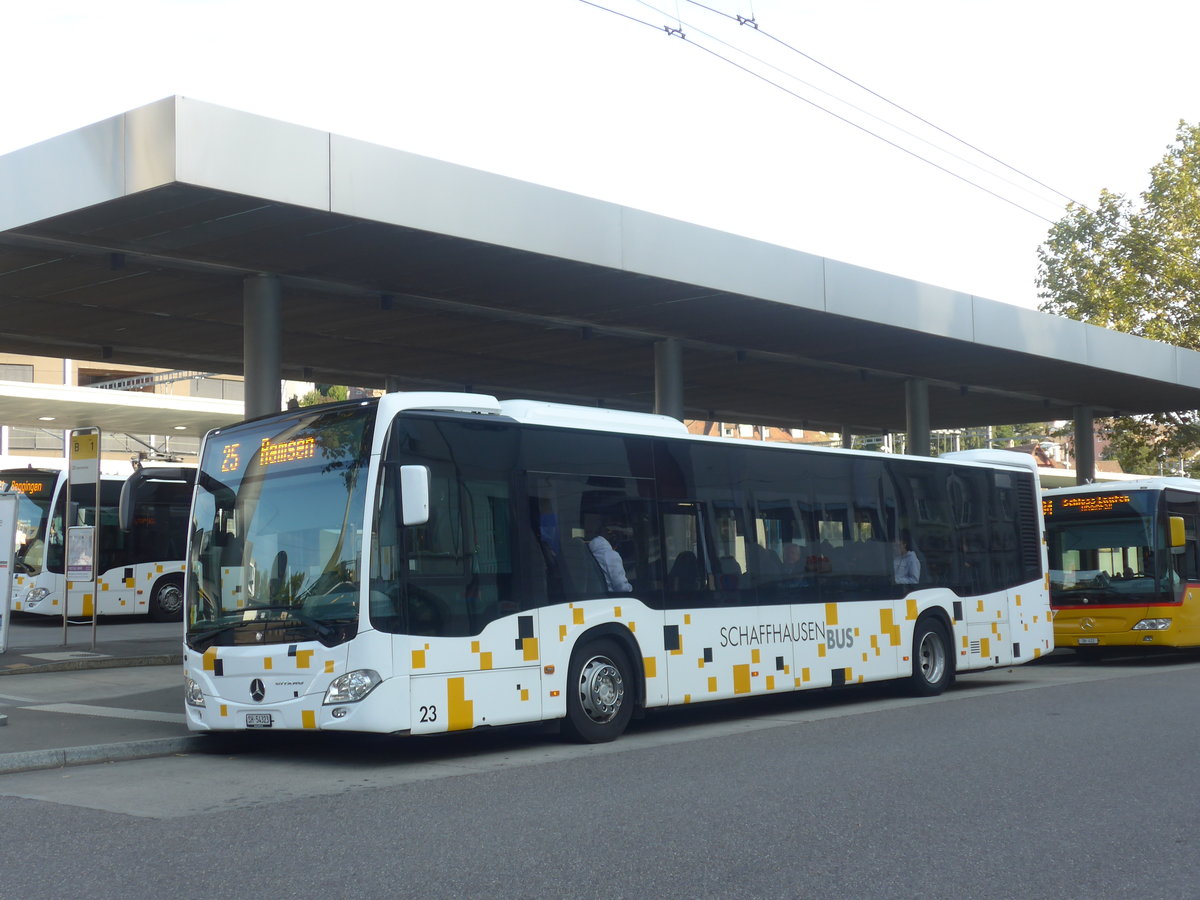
<point>139,566</point>
<point>431,562</point>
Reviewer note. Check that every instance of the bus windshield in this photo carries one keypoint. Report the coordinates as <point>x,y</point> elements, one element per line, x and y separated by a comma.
<point>1108,550</point>
<point>275,552</point>
<point>36,490</point>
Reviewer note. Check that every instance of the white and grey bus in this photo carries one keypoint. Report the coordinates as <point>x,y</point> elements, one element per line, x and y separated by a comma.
<point>433,562</point>
<point>139,565</point>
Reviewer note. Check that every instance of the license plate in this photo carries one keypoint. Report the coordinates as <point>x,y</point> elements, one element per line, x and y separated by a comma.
<point>259,720</point>
<point>1082,641</point>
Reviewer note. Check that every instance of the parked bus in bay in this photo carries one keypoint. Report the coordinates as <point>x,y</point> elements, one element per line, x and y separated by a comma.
<point>434,562</point>
<point>1123,563</point>
<point>139,567</point>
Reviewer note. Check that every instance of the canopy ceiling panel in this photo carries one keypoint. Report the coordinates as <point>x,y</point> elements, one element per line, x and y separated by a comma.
<point>401,269</point>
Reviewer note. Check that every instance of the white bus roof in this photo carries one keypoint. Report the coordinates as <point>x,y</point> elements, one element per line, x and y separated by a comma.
<point>1146,483</point>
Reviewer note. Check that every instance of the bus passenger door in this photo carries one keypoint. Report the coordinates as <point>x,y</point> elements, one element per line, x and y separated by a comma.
<point>716,642</point>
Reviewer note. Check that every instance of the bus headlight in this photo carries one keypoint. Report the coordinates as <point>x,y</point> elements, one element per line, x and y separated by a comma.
<point>192,695</point>
<point>352,687</point>
<point>1152,625</point>
<point>36,595</point>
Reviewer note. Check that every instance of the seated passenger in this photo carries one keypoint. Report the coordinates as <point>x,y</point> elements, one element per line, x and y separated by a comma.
<point>610,561</point>
<point>906,568</point>
<point>793,558</point>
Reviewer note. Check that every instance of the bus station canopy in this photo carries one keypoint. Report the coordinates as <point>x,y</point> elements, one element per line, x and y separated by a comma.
<point>131,240</point>
<point>65,407</point>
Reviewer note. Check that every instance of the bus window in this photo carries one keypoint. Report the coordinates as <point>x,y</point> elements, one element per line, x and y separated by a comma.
<point>595,535</point>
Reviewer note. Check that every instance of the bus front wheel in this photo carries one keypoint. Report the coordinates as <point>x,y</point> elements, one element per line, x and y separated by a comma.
<point>933,663</point>
<point>166,601</point>
<point>600,692</point>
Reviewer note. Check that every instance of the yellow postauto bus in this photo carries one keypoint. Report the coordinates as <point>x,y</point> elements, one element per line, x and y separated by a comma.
<point>1124,565</point>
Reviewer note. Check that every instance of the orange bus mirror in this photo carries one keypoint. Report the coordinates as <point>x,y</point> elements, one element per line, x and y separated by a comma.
<point>1178,532</point>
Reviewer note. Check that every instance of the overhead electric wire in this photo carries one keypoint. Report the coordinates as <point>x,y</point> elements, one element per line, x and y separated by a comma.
<point>859,109</point>
<point>742,20</point>
<point>678,32</point>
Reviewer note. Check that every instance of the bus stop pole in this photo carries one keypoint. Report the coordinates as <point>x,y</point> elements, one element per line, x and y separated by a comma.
<point>83,467</point>
<point>9,509</point>
<point>66,583</point>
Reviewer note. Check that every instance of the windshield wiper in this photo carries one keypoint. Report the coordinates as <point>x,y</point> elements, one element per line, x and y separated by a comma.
<point>202,640</point>
<point>320,626</point>
<point>327,631</point>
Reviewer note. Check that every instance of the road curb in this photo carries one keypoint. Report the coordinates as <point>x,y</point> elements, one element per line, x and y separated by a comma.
<point>76,665</point>
<point>59,758</point>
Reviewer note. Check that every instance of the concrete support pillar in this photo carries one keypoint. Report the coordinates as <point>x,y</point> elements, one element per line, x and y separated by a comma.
<point>916,415</point>
<point>668,378</point>
<point>391,384</point>
<point>262,344</point>
<point>1085,445</point>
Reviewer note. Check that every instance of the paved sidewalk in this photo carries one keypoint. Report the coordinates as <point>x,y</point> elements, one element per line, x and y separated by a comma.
<point>72,705</point>
<point>78,655</point>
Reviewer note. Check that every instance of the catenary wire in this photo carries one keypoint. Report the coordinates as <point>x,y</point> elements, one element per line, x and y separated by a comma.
<point>742,20</point>
<point>678,32</point>
<point>859,109</point>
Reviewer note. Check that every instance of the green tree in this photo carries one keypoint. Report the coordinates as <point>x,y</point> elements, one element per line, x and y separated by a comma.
<point>1135,269</point>
<point>1002,435</point>
<point>325,393</point>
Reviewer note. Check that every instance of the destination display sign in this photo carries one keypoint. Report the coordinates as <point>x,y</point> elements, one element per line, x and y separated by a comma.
<point>1085,503</point>
<point>270,453</point>
<point>31,486</point>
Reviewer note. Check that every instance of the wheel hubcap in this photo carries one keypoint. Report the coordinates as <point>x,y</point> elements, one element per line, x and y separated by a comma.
<point>170,599</point>
<point>933,658</point>
<point>601,689</point>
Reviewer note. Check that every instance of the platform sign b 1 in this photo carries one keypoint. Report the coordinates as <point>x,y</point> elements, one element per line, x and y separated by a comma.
<point>84,455</point>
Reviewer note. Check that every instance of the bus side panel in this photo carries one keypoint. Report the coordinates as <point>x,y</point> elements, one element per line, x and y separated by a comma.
<point>1032,622</point>
<point>982,625</point>
<point>117,592</point>
<point>1185,627</point>
<point>717,653</point>
<point>464,700</point>
<point>863,641</point>
<point>459,683</point>
<point>562,625</point>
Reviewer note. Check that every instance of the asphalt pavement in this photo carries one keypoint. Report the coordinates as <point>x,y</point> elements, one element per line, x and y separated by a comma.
<point>79,702</point>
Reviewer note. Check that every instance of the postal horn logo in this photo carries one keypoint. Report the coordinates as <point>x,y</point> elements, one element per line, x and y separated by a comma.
<point>258,690</point>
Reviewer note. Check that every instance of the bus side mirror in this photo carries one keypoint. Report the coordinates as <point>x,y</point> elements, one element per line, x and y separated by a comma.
<point>1178,532</point>
<point>414,494</point>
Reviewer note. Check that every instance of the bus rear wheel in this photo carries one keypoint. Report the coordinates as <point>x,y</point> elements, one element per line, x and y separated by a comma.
<point>166,601</point>
<point>600,692</point>
<point>933,663</point>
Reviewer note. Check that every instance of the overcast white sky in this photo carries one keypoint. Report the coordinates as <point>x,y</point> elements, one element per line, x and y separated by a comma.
<point>1080,95</point>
